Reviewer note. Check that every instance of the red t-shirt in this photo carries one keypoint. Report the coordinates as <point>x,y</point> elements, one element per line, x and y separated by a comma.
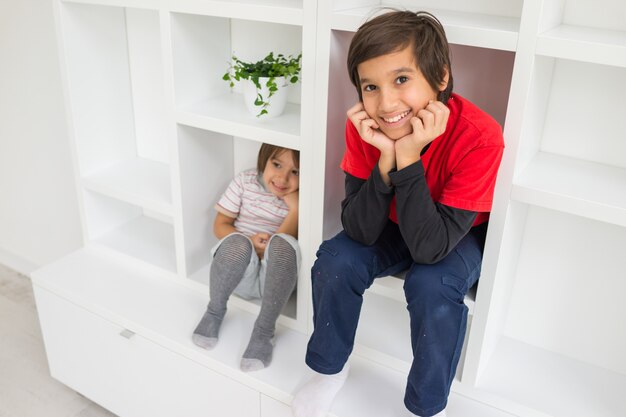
<point>460,165</point>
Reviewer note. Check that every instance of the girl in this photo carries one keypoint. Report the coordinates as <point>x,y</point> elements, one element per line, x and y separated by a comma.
<point>257,255</point>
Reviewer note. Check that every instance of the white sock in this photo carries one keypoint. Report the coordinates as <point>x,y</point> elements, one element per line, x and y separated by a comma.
<point>316,396</point>
<point>442,413</point>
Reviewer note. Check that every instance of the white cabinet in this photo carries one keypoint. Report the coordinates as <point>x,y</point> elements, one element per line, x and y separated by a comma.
<point>128,374</point>
<point>157,135</point>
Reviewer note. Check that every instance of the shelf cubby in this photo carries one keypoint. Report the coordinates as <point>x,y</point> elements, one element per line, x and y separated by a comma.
<point>211,161</point>
<point>116,97</point>
<point>202,47</point>
<point>137,181</point>
<point>577,30</point>
<point>569,159</point>
<point>130,230</point>
<point>549,357</point>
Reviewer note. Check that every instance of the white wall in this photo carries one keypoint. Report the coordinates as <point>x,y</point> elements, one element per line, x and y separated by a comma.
<point>39,218</point>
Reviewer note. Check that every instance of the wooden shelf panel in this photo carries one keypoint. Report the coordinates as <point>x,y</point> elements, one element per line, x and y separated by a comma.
<point>579,43</point>
<point>552,384</point>
<point>137,181</point>
<point>472,29</point>
<point>275,11</point>
<point>228,114</point>
<point>574,186</point>
<point>143,238</point>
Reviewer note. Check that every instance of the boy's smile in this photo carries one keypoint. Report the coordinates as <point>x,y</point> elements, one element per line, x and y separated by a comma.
<point>394,90</point>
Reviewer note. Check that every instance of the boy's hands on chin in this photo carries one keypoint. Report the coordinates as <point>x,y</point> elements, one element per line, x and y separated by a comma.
<point>429,124</point>
<point>368,129</point>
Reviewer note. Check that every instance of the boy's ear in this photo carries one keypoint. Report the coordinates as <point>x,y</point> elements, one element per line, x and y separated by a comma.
<point>446,77</point>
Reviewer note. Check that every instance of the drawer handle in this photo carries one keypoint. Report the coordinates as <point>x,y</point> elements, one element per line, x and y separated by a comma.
<point>127,333</point>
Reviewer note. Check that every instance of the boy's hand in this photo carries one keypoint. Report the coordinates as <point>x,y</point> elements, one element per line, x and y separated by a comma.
<point>259,241</point>
<point>368,129</point>
<point>429,124</point>
<point>291,200</point>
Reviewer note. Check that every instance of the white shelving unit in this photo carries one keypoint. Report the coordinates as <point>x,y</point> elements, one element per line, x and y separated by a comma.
<point>157,135</point>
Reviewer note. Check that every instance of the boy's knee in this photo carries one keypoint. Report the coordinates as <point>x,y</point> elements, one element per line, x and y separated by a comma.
<point>340,266</point>
<point>424,288</point>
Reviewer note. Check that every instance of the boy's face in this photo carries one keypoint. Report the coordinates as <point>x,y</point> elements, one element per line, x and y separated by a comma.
<point>281,175</point>
<point>394,90</point>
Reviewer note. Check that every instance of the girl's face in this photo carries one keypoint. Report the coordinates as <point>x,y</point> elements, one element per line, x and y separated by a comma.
<point>394,90</point>
<point>281,175</point>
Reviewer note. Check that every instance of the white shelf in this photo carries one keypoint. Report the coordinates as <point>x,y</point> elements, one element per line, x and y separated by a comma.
<point>553,384</point>
<point>137,181</point>
<point>472,29</point>
<point>579,43</point>
<point>574,186</point>
<point>275,11</point>
<point>143,238</point>
<point>165,312</point>
<point>228,114</point>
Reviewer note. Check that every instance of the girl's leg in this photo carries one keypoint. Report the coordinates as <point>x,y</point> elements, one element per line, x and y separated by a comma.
<point>280,280</point>
<point>438,314</point>
<point>227,269</point>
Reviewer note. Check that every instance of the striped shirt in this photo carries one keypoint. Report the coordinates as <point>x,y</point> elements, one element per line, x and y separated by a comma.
<point>253,207</point>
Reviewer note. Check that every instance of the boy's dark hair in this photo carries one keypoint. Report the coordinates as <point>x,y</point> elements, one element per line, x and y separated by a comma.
<point>268,151</point>
<point>393,31</point>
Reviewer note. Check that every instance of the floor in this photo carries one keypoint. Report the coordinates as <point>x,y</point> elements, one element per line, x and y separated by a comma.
<point>26,388</point>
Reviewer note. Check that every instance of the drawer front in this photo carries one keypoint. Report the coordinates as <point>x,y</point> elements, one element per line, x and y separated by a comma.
<point>130,375</point>
<point>84,351</point>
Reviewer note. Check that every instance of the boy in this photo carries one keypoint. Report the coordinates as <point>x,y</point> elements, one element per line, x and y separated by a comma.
<point>420,166</point>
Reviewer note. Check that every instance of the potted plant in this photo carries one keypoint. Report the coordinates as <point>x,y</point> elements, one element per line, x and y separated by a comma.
<point>264,90</point>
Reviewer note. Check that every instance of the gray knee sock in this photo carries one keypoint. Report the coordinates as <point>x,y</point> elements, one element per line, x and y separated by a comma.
<point>229,264</point>
<point>281,277</point>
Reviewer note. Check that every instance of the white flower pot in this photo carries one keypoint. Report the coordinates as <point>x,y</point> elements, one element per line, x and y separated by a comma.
<point>276,102</point>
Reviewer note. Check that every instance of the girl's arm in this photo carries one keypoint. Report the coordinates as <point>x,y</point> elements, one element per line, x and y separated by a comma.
<point>290,224</point>
<point>223,225</point>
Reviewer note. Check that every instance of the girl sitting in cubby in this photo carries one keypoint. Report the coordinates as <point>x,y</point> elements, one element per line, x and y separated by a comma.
<point>258,254</point>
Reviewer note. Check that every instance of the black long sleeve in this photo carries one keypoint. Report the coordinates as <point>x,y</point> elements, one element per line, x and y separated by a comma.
<point>430,230</point>
<point>365,209</point>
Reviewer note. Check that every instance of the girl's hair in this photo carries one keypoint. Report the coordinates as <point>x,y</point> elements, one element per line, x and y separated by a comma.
<point>268,151</point>
<point>396,30</point>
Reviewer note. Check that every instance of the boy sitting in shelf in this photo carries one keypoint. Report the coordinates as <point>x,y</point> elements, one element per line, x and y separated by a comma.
<point>420,166</point>
<point>258,254</point>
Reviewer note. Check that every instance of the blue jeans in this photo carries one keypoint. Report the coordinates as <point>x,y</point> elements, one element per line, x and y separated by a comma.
<point>344,269</point>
